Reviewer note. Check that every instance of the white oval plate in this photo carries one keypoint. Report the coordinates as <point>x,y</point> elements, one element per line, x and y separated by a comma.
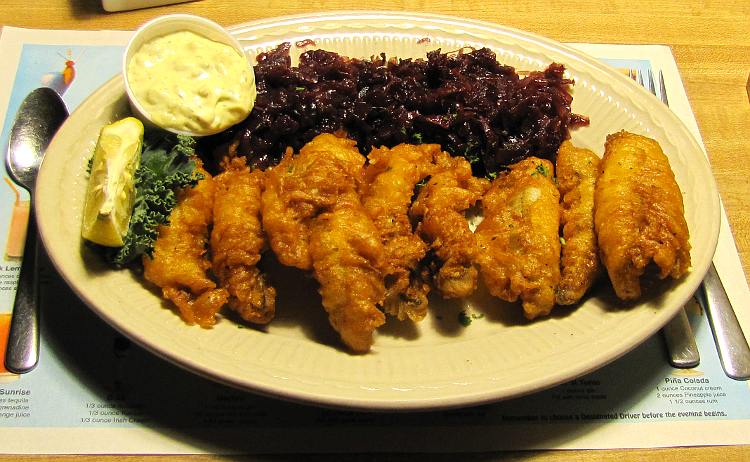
<point>439,363</point>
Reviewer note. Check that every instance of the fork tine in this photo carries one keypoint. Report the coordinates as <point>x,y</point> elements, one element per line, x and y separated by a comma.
<point>663,88</point>
<point>651,83</point>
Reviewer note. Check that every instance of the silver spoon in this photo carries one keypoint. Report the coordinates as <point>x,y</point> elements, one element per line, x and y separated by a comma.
<point>37,121</point>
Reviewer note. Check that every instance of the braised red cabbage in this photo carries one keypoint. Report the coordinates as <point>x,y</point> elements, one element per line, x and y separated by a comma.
<point>465,101</point>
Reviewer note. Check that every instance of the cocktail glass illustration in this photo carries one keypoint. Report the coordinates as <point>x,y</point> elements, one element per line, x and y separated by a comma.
<point>5,375</point>
<point>18,221</point>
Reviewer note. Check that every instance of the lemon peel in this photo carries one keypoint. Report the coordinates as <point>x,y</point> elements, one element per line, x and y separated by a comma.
<point>111,187</point>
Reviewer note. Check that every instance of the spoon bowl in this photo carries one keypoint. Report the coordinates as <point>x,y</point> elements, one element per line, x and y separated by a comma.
<point>37,120</point>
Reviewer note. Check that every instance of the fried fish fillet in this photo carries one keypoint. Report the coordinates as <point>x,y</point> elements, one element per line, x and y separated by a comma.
<point>237,241</point>
<point>319,223</point>
<point>639,215</point>
<point>440,206</point>
<point>179,264</point>
<point>300,187</point>
<point>390,178</point>
<point>286,221</point>
<point>577,171</point>
<point>519,244</point>
<point>347,263</point>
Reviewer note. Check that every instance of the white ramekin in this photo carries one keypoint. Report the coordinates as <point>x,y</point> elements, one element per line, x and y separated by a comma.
<point>164,25</point>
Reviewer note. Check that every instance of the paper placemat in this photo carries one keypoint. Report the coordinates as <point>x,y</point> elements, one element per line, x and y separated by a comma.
<point>96,392</point>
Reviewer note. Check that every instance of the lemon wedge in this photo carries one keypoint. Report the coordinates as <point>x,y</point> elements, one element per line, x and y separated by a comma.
<point>111,188</point>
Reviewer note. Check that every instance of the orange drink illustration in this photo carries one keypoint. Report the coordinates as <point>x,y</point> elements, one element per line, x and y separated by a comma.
<point>4,328</point>
<point>5,375</point>
<point>17,229</point>
<point>61,81</point>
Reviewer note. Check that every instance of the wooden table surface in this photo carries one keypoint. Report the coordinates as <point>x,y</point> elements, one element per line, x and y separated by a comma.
<point>710,40</point>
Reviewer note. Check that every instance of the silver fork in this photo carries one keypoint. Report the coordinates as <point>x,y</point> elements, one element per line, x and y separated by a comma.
<point>730,341</point>
<point>678,335</point>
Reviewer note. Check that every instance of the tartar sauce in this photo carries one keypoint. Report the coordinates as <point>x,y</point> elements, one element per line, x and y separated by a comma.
<point>189,83</point>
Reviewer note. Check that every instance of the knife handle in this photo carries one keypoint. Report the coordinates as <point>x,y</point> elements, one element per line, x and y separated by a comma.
<point>731,343</point>
<point>22,351</point>
<point>683,351</point>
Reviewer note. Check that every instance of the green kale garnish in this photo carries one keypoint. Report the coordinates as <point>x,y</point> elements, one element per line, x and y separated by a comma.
<point>541,169</point>
<point>465,319</point>
<point>417,187</point>
<point>166,166</point>
<point>471,153</point>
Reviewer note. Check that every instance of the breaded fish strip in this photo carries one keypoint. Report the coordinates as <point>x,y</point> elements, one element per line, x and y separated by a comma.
<point>179,265</point>
<point>639,215</point>
<point>519,244</point>
<point>286,223</point>
<point>441,205</point>
<point>315,202</point>
<point>347,262</point>
<point>390,178</point>
<point>237,241</point>
<point>300,187</point>
<point>577,171</point>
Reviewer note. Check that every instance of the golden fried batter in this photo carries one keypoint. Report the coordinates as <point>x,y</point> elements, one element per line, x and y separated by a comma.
<point>577,171</point>
<point>286,223</point>
<point>639,215</point>
<point>319,223</point>
<point>300,187</point>
<point>390,179</point>
<point>519,244</point>
<point>441,205</point>
<point>348,260</point>
<point>180,264</point>
<point>237,241</point>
